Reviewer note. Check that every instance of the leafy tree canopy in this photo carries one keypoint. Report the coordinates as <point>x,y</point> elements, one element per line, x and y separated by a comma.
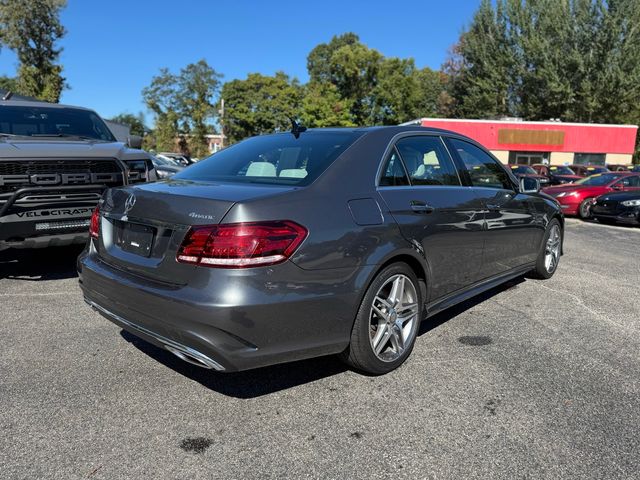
<point>575,60</point>
<point>31,29</point>
<point>378,90</point>
<point>135,122</point>
<point>260,104</point>
<point>183,104</point>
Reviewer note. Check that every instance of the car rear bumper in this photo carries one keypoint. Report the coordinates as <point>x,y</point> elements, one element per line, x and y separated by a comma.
<point>296,314</point>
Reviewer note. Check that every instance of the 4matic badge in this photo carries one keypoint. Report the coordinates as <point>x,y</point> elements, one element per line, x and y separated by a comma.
<point>201,216</point>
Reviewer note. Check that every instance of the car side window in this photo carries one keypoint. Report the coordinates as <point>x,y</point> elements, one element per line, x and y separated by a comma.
<point>427,161</point>
<point>483,169</point>
<point>393,174</point>
<point>629,182</point>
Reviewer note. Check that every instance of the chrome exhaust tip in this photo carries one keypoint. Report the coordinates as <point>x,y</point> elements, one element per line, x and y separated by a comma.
<point>183,352</point>
<point>193,357</point>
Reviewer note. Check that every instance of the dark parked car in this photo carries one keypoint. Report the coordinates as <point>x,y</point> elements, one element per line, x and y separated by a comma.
<point>165,168</point>
<point>327,241</point>
<point>557,174</point>
<point>179,158</point>
<point>521,171</point>
<point>622,207</point>
<point>588,170</point>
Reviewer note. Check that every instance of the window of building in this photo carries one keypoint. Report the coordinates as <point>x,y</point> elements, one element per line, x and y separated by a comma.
<point>528,158</point>
<point>589,158</point>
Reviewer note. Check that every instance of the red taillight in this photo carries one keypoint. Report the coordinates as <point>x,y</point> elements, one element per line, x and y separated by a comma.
<point>239,245</point>
<point>94,225</point>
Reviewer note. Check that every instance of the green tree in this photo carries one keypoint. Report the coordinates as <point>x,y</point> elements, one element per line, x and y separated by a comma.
<point>135,122</point>
<point>319,61</point>
<point>161,98</point>
<point>377,90</point>
<point>260,104</point>
<point>8,83</point>
<point>322,106</point>
<point>403,92</point>
<point>32,29</point>
<point>352,67</point>
<point>480,66</point>
<point>576,60</point>
<point>198,84</point>
<point>183,105</point>
<point>431,85</point>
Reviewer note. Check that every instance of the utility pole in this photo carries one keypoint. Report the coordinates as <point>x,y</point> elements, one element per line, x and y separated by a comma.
<point>221,114</point>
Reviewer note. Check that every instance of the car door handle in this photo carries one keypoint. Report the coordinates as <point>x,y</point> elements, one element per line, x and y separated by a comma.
<point>421,207</point>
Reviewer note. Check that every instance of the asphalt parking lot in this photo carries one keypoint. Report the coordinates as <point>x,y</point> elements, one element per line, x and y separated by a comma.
<point>532,380</point>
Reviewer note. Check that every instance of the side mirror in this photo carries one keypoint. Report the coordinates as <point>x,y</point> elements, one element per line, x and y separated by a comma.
<point>529,185</point>
<point>617,186</point>
<point>134,141</point>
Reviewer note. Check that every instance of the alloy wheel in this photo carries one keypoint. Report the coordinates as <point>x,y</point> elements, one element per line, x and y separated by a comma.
<point>393,319</point>
<point>552,249</point>
<point>585,209</point>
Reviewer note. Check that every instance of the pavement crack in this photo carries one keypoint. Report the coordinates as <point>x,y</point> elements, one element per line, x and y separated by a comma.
<point>581,303</point>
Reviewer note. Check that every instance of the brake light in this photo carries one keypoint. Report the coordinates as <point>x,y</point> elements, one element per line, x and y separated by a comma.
<point>240,245</point>
<point>94,224</point>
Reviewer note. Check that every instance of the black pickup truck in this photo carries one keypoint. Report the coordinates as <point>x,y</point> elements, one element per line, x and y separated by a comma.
<point>55,163</point>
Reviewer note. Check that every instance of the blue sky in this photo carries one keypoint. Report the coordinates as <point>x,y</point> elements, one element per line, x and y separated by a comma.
<point>112,49</point>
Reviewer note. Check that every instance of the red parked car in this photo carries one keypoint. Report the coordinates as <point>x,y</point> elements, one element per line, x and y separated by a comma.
<point>576,198</point>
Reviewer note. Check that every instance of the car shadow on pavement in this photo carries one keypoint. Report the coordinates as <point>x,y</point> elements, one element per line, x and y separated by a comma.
<point>247,384</point>
<point>54,263</point>
<point>266,380</point>
<point>446,315</point>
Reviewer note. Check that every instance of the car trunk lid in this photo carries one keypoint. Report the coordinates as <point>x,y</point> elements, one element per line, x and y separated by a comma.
<point>142,227</point>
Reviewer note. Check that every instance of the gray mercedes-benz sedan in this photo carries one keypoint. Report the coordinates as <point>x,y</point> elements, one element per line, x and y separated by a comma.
<point>316,242</point>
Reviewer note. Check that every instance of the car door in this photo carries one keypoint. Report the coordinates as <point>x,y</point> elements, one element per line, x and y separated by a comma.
<point>512,230</point>
<point>631,182</point>
<point>443,219</point>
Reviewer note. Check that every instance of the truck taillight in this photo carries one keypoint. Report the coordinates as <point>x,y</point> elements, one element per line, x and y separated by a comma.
<point>241,245</point>
<point>94,225</point>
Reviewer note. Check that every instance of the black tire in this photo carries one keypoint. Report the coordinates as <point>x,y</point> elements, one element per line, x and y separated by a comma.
<point>360,354</point>
<point>541,271</point>
<point>584,210</point>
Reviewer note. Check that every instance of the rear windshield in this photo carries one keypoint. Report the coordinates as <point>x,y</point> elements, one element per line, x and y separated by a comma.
<point>280,159</point>
<point>599,179</point>
<point>561,171</point>
<point>53,122</point>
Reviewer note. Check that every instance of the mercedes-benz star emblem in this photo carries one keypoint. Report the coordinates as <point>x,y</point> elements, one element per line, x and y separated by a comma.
<point>129,203</point>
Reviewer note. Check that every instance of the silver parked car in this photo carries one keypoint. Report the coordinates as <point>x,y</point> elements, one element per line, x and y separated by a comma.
<point>328,241</point>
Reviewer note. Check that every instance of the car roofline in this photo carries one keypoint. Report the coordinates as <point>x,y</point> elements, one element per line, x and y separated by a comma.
<point>29,103</point>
